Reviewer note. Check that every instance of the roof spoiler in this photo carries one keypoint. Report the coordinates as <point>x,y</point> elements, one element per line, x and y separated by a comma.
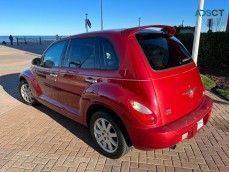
<point>170,30</point>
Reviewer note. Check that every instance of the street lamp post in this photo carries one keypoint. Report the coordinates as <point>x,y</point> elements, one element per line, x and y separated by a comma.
<point>101,13</point>
<point>139,21</point>
<point>86,23</point>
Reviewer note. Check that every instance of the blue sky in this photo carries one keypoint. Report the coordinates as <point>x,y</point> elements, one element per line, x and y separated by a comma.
<point>66,17</point>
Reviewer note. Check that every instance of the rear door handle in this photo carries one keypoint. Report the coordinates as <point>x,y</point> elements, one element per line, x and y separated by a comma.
<point>53,75</point>
<point>91,80</point>
<point>72,72</point>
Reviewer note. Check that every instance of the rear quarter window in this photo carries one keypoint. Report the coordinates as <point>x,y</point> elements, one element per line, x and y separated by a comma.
<point>108,57</point>
<point>163,52</point>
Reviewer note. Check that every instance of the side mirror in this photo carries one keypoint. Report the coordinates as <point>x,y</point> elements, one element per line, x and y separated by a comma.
<point>36,61</point>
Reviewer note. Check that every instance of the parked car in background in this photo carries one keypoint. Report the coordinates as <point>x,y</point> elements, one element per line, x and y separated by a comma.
<point>132,87</point>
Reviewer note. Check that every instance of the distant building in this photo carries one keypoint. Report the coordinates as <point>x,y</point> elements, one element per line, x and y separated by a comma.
<point>185,29</point>
<point>227,28</point>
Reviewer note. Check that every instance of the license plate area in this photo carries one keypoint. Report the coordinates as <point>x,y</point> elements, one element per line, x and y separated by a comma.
<point>200,124</point>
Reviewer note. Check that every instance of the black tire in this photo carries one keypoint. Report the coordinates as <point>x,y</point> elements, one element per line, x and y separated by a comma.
<point>30,100</point>
<point>122,148</point>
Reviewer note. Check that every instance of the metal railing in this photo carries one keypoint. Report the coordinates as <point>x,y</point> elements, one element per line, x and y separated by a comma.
<point>38,41</point>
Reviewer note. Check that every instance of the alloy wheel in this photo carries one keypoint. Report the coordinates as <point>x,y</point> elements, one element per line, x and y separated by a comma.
<point>105,135</point>
<point>26,93</point>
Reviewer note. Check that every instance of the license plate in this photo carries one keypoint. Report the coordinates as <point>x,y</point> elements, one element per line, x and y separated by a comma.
<point>200,124</point>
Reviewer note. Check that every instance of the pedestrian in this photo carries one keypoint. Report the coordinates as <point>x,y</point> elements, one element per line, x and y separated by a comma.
<point>11,39</point>
<point>57,37</point>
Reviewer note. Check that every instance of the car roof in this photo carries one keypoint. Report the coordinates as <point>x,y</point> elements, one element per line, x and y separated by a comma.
<point>130,31</point>
<point>99,32</point>
<point>114,31</point>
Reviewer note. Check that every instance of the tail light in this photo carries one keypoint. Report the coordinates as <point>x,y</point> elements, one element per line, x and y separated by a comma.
<point>143,113</point>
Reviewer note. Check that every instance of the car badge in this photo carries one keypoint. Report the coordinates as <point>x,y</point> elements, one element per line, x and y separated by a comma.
<point>190,92</point>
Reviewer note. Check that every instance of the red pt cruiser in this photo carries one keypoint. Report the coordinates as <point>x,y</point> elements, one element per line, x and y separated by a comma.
<point>133,87</point>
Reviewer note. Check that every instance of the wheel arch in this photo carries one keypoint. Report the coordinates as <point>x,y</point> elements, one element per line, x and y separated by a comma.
<point>28,76</point>
<point>22,78</point>
<point>96,107</point>
<point>24,75</point>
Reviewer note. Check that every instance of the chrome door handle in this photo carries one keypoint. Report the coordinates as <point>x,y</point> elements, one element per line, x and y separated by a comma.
<point>53,75</point>
<point>91,80</point>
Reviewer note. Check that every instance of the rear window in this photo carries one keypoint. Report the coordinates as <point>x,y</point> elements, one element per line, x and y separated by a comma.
<point>163,52</point>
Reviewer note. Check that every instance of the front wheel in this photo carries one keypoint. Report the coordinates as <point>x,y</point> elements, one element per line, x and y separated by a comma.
<point>108,135</point>
<point>26,93</point>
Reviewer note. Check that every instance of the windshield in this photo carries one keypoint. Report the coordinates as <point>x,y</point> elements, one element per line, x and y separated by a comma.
<point>163,52</point>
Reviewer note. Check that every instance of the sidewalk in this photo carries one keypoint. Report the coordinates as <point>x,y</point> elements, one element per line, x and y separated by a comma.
<point>39,139</point>
<point>30,48</point>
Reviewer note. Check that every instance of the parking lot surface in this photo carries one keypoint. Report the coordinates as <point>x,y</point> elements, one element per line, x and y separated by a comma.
<point>39,139</point>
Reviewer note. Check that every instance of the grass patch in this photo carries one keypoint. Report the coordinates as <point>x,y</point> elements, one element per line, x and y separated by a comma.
<point>223,93</point>
<point>208,83</point>
<point>211,86</point>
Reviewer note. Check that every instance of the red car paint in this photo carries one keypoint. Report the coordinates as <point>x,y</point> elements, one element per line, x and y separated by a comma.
<point>175,96</point>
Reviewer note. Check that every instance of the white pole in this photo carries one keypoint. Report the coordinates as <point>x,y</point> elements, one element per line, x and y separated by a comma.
<point>196,41</point>
<point>86,23</point>
<point>101,13</point>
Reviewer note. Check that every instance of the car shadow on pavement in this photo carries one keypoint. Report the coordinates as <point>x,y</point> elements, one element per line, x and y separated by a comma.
<point>220,102</point>
<point>10,83</point>
<point>80,131</point>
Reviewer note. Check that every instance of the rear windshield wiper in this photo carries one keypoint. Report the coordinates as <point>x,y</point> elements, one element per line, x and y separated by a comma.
<point>185,60</point>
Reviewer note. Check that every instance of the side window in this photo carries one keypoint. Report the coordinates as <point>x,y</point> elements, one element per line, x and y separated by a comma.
<point>81,53</point>
<point>108,57</point>
<point>54,54</point>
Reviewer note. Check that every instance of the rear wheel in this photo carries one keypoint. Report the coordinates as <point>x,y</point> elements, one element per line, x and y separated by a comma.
<point>108,135</point>
<point>26,93</point>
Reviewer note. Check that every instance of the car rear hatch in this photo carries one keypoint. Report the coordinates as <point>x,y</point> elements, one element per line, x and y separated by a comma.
<point>175,77</point>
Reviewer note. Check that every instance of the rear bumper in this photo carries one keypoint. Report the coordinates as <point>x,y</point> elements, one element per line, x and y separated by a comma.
<point>171,134</point>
